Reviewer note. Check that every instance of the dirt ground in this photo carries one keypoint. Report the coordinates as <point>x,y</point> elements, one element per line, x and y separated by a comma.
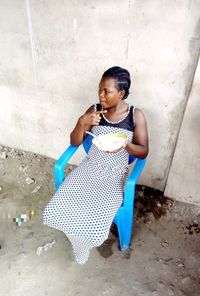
<point>163,258</point>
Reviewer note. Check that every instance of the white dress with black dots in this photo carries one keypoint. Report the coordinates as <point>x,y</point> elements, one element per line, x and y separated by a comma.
<point>88,199</point>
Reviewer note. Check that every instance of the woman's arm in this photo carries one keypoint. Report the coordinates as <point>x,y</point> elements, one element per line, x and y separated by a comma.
<point>84,123</point>
<point>140,145</point>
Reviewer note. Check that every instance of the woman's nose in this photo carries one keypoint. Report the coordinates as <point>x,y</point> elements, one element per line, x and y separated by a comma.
<point>101,93</point>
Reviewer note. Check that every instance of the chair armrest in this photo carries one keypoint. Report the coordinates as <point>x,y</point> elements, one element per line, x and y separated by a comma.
<point>131,181</point>
<point>136,171</point>
<point>59,167</point>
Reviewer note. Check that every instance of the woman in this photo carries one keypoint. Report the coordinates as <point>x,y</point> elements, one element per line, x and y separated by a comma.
<point>86,203</point>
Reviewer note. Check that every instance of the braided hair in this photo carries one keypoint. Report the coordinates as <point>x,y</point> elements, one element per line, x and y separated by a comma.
<point>122,77</point>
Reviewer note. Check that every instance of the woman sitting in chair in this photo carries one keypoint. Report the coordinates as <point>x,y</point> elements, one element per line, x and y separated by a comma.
<point>88,199</point>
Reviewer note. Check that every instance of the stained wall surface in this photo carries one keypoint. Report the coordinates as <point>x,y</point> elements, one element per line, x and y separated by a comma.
<point>184,177</point>
<point>52,56</point>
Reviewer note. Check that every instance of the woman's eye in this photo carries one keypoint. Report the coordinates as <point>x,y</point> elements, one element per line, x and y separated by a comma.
<point>105,91</point>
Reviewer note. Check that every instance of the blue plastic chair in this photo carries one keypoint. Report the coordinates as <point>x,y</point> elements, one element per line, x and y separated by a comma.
<point>124,216</point>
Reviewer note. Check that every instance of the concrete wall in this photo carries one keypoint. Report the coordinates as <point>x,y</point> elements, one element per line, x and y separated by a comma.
<point>184,177</point>
<point>53,53</point>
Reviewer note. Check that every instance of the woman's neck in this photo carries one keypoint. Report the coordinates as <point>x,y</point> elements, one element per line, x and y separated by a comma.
<point>118,108</point>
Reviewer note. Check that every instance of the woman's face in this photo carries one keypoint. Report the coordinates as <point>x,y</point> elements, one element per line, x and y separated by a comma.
<point>109,95</point>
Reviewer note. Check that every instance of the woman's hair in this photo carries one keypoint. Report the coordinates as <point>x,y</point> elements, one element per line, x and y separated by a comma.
<point>122,77</point>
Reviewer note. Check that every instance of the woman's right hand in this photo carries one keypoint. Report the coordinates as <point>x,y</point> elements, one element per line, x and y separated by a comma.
<point>84,124</point>
<point>92,118</point>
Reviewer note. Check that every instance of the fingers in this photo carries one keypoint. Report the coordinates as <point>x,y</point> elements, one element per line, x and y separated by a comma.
<point>125,144</point>
<point>94,118</point>
<point>97,116</point>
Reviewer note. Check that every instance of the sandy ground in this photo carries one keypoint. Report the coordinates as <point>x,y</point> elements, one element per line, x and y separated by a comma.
<point>163,258</point>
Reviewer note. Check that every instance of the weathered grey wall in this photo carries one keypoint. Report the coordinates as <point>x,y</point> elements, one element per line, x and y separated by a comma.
<point>184,178</point>
<point>53,53</point>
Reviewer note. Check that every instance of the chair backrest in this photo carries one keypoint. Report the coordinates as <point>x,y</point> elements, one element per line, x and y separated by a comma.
<point>88,142</point>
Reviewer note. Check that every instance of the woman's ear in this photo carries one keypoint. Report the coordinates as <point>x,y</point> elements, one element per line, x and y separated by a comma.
<point>122,93</point>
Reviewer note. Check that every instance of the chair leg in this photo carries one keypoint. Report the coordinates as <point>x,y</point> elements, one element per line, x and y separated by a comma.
<point>124,226</point>
<point>127,229</point>
<point>120,231</point>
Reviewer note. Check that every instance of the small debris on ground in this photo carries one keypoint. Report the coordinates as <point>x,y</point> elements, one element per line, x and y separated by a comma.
<point>24,217</point>
<point>193,227</point>
<point>30,235</point>
<point>164,244</point>
<point>45,247</point>
<point>3,155</point>
<point>36,189</point>
<point>30,180</point>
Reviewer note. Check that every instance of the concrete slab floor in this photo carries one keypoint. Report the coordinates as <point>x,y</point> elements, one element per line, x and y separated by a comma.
<point>163,258</point>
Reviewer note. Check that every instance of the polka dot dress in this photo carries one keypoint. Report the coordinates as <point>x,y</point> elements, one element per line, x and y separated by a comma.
<point>88,199</point>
